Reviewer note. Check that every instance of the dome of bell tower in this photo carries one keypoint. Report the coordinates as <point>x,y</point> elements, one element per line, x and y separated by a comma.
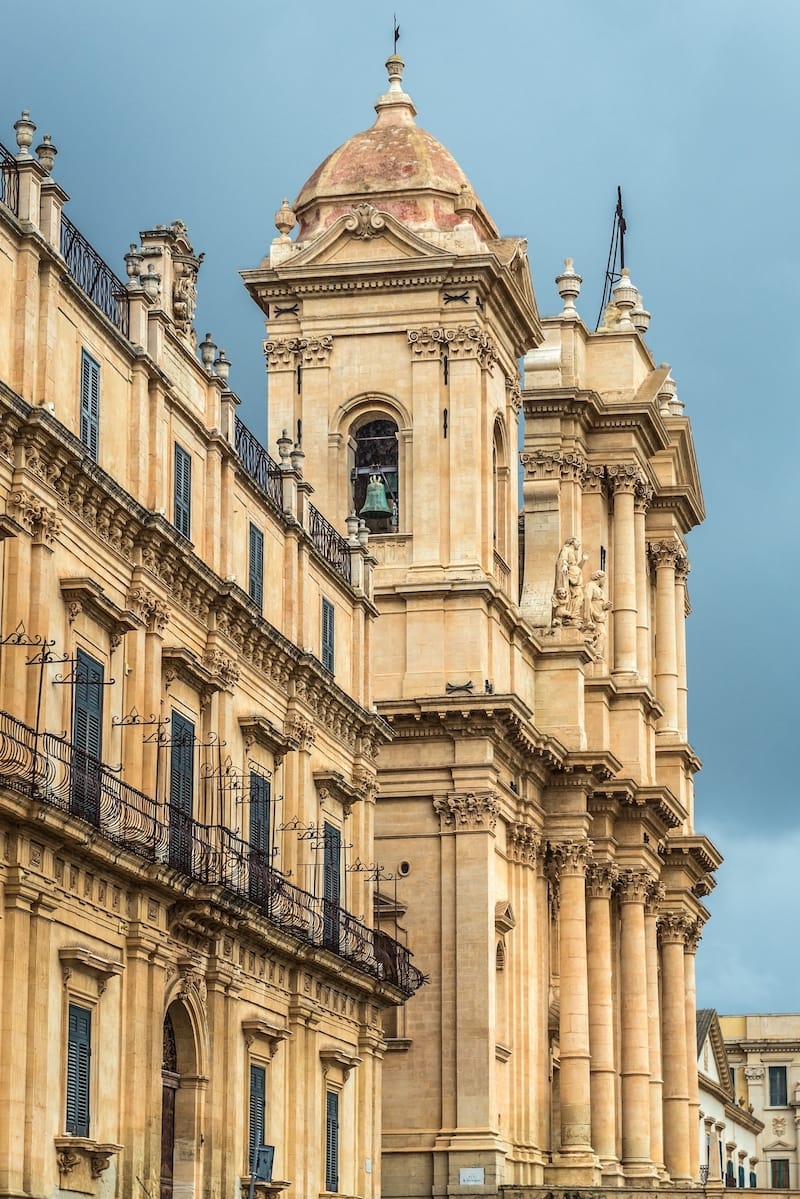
<point>398,167</point>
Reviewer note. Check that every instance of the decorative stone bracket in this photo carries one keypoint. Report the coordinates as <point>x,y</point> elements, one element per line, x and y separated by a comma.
<point>268,1034</point>
<point>77,959</point>
<point>83,1155</point>
<point>336,1061</point>
<point>257,730</point>
<point>86,595</point>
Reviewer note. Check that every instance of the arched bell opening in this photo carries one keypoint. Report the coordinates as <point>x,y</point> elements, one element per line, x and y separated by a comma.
<point>180,1115</point>
<point>375,473</point>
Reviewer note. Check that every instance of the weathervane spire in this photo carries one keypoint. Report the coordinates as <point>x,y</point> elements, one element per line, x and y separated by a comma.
<point>395,32</point>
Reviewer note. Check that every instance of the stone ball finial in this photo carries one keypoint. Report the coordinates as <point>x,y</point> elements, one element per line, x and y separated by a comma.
<point>640,317</point>
<point>46,153</point>
<point>24,129</point>
<point>569,288</point>
<point>285,220</point>
<point>625,296</point>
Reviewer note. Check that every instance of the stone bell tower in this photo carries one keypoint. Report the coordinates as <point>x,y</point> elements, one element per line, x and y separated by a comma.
<point>534,829</point>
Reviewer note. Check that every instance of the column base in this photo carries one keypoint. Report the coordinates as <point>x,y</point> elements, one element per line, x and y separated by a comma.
<point>573,1168</point>
<point>641,1172</point>
<point>611,1174</point>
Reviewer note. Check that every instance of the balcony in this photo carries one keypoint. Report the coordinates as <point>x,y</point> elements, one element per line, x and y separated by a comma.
<point>50,771</point>
<point>9,180</point>
<point>94,276</point>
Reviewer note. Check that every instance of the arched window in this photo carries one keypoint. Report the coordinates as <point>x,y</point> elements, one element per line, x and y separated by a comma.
<point>500,499</point>
<point>376,453</point>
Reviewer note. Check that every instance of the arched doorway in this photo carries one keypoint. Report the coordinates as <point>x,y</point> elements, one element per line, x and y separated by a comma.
<point>180,1087</point>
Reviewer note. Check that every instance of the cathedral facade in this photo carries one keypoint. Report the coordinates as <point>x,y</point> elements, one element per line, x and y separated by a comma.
<point>257,752</point>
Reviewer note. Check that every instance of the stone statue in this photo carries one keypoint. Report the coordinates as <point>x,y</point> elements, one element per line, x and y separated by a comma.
<point>596,606</point>
<point>569,577</point>
<point>560,607</point>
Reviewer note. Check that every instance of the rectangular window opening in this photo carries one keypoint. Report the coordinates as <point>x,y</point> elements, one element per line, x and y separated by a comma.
<point>181,792</point>
<point>328,635</point>
<point>87,736</point>
<point>258,1111</point>
<point>331,1141</point>
<point>777,1086</point>
<point>255,577</point>
<point>183,491</point>
<point>90,403</point>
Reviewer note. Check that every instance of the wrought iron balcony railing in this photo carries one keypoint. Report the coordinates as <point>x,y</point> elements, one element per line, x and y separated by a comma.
<point>51,771</point>
<point>94,276</point>
<point>9,180</point>
<point>266,474</point>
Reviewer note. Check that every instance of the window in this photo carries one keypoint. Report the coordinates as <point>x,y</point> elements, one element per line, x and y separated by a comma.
<point>260,855</point>
<point>79,1054</point>
<point>258,1107</point>
<point>779,1171</point>
<point>331,1141</point>
<point>87,732</point>
<point>328,655</point>
<point>331,882</point>
<point>376,459</point>
<point>181,792</point>
<point>183,491</point>
<point>255,576</point>
<point>777,1086</point>
<point>90,403</point>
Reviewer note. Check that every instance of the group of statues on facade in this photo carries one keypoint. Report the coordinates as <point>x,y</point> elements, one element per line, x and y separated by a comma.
<point>581,605</point>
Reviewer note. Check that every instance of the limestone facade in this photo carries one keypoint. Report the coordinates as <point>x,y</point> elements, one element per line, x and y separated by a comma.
<point>764,1059</point>
<point>730,1132</point>
<point>535,821</point>
<point>188,964</point>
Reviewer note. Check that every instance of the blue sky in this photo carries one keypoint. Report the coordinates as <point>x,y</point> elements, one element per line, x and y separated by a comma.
<point>212,113</point>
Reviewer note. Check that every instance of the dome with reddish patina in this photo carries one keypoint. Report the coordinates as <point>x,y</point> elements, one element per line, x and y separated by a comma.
<point>397,167</point>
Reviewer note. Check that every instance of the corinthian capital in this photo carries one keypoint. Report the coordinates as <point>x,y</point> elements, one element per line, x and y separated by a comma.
<point>467,811</point>
<point>571,857</point>
<point>665,553</point>
<point>524,843</point>
<point>601,878</point>
<point>554,464</point>
<point>674,927</point>
<point>624,477</point>
<point>634,886</point>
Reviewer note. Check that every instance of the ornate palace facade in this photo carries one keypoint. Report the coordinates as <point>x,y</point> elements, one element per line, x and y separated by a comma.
<point>188,967</point>
<point>519,709</point>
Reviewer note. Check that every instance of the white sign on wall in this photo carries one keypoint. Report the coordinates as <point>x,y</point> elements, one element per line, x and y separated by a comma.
<point>471,1176</point>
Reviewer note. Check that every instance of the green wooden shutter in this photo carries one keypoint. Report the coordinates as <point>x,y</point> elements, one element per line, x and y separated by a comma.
<point>181,792</point>
<point>78,1065</point>
<point>259,813</point>
<point>331,1141</point>
<point>328,654</point>
<point>258,1107</point>
<point>256,572</point>
<point>90,403</point>
<point>87,738</point>
<point>183,491</point>
<point>331,884</point>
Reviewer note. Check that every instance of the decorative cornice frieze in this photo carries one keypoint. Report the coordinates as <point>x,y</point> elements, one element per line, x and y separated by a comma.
<point>601,878</point>
<point>549,464</point>
<point>469,810</point>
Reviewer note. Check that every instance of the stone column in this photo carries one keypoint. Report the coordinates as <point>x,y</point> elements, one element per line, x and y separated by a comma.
<point>19,898</point>
<point>600,880</point>
<point>624,479</point>
<point>642,499</point>
<point>690,950</point>
<point>570,859</point>
<point>682,569</point>
<point>672,928</point>
<point>654,899</point>
<point>633,889</point>
<point>664,555</point>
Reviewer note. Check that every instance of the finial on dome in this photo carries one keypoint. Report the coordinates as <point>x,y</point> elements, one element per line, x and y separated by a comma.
<point>569,288</point>
<point>395,106</point>
<point>285,219</point>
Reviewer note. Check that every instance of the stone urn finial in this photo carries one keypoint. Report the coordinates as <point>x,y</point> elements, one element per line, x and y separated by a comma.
<point>46,153</point>
<point>640,317</point>
<point>395,66</point>
<point>625,296</point>
<point>133,264</point>
<point>285,219</point>
<point>208,352</point>
<point>569,288</point>
<point>24,129</point>
<point>222,366</point>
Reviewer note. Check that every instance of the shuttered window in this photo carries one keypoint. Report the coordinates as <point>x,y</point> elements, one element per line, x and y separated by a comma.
<point>87,733</point>
<point>90,403</point>
<point>331,882</point>
<point>331,1141</point>
<point>79,1054</point>
<point>260,857</point>
<point>327,635</point>
<point>181,792</point>
<point>258,1109</point>
<point>183,491</point>
<point>255,579</point>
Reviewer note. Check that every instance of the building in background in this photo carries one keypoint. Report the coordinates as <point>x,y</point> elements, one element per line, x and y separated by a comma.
<point>188,967</point>
<point>729,1131</point>
<point>764,1058</point>
<point>536,805</point>
<point>201,709</point>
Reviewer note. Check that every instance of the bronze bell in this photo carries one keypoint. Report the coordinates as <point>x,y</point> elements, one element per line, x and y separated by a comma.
<point>376,506</point>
